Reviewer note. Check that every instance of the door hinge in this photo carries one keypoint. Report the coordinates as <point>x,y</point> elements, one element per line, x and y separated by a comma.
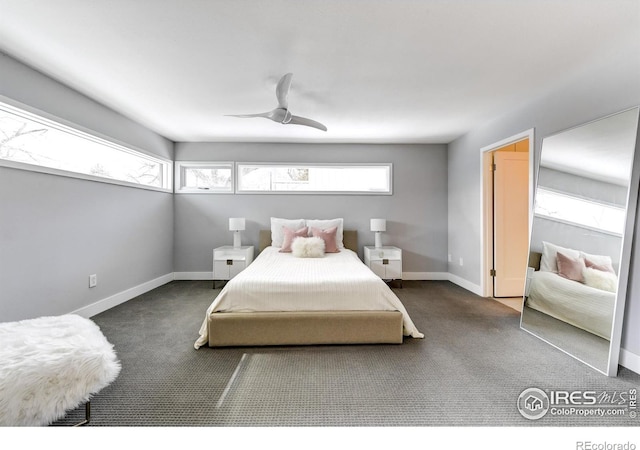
<point>493,167</point>
<point>492,272</point>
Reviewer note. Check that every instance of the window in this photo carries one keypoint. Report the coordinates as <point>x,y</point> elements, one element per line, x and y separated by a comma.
<point>314,178</point>
<point>204,177</point>
<point>31,142</point>
<point>579,211</point>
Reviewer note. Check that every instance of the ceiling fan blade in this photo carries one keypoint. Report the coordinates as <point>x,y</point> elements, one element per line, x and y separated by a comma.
<point>282,90</point>
<point>266,115</point>
<point>297,120</point>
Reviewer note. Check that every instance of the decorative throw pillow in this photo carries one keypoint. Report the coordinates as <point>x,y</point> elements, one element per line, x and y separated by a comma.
<point>289,236</point>
<point>324,224</point>
<point>598,279</point>
<point>569,267</point>
<point>277,235</point>
<point>307,247</point>
<point>603,265</point>
<point>601,260</point>
<point>329,238</point>
<point>548,261</point>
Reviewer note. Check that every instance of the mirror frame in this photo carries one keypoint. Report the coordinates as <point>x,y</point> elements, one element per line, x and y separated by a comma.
<point>625,251</point>
<point>625,256</point>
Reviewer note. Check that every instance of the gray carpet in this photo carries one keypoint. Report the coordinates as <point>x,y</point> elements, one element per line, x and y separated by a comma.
<point>468,371</point>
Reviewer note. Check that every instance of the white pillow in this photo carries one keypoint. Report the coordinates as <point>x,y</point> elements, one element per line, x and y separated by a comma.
<point>277,235</point>
<point>599,279</point>
<point>325,224</point>
<point>310,247</point>
<point>548,261</point>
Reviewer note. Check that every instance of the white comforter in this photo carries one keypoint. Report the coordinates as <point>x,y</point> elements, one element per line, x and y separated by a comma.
<point>572,302</point>
<point>282,282</point>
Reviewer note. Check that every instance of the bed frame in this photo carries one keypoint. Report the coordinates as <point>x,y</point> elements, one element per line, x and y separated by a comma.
<point>233,329</point>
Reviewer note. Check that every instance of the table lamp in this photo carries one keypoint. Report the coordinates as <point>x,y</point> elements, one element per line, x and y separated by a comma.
<point>378,225</point>
<point>236,224</point>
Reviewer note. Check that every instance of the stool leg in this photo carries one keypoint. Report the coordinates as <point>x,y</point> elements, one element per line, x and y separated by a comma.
<point>87,414</point>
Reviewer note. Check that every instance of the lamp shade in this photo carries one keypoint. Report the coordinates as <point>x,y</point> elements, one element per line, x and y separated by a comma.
<point>378,225</point>
<point>236,224</point>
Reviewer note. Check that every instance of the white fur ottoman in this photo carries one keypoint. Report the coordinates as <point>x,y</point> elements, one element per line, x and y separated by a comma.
<point>50,365</point>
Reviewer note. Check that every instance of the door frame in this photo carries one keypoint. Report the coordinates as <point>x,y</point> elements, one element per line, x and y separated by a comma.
<point>486,204</point>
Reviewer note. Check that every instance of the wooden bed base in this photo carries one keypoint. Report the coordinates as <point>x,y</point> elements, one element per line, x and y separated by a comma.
<point>249,329</point>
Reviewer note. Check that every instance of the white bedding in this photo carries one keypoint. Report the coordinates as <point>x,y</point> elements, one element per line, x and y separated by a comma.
<point>281,282</point>
<point>572,302</point>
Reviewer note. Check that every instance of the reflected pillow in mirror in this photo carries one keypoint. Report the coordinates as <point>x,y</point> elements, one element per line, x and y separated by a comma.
<point>569,267</point>
<point>548,260</point>
<point>598,279</point>
<point>600,262</point>
<point>602,267</point>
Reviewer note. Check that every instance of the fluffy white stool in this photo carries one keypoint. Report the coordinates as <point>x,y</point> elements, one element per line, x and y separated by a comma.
<point>50,365</point>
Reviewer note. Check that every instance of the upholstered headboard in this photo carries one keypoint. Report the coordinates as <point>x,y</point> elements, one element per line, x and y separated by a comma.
<point>349,239</point>
<point>534,260</point>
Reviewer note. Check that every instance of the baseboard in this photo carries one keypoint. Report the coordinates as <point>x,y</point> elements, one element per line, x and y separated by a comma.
<point>629,360</point>
<point>121,297</point>
<point>443,276</point>
<point>193,275</point>
<point>425,276</point>
<point>469,286</point>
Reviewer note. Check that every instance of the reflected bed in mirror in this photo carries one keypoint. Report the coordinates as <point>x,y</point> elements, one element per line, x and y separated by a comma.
<point>584,205</point>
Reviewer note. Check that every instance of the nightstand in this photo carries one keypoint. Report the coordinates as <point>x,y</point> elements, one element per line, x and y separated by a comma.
<point>229,261</point>
<point>386,262</point>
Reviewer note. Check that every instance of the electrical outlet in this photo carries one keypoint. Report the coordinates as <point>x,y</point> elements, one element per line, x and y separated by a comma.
<point>450,259</point>
<point>93,280</point>
<point>461,263</point>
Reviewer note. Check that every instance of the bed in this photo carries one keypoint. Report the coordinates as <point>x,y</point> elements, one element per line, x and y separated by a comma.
<point>576,303</point>
<point>281,299</point>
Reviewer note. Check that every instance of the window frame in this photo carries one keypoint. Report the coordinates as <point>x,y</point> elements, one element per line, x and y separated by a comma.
<point>180,166</point>
<point>239,166</point>
<point>582,199</point>
<point>81,132</point>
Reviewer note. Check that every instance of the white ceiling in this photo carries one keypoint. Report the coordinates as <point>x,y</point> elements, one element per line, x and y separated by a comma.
<point>403,71</point>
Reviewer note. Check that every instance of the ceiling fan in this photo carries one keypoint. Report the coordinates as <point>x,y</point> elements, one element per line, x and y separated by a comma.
<point>282,114</point>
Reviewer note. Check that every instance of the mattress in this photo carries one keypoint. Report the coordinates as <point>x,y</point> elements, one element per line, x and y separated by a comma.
<point>282,282</point>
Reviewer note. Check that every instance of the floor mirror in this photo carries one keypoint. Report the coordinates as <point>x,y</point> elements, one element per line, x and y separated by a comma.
<point>583,217</point>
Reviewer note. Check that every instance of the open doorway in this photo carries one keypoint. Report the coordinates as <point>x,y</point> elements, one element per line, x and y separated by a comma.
<point>507,172</point>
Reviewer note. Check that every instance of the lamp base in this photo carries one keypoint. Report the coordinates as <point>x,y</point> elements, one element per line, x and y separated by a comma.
<point>236,239</point>
<point>378,239</point>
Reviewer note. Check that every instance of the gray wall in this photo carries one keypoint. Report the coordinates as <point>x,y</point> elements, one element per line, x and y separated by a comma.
<point>55,231</point>
<point>582,187</point>
<point>416,213</point>
<point>585,97</point>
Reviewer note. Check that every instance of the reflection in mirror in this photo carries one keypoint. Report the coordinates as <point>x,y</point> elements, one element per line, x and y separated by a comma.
<point>577,263</point>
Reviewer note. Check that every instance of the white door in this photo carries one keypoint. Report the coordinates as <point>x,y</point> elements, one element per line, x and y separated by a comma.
<point>510,222</point>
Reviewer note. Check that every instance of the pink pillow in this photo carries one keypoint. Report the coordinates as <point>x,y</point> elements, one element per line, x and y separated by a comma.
<point>329,238</point>
<point>570,268</point>
<point>601,267</point>
<point>289,236</point>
